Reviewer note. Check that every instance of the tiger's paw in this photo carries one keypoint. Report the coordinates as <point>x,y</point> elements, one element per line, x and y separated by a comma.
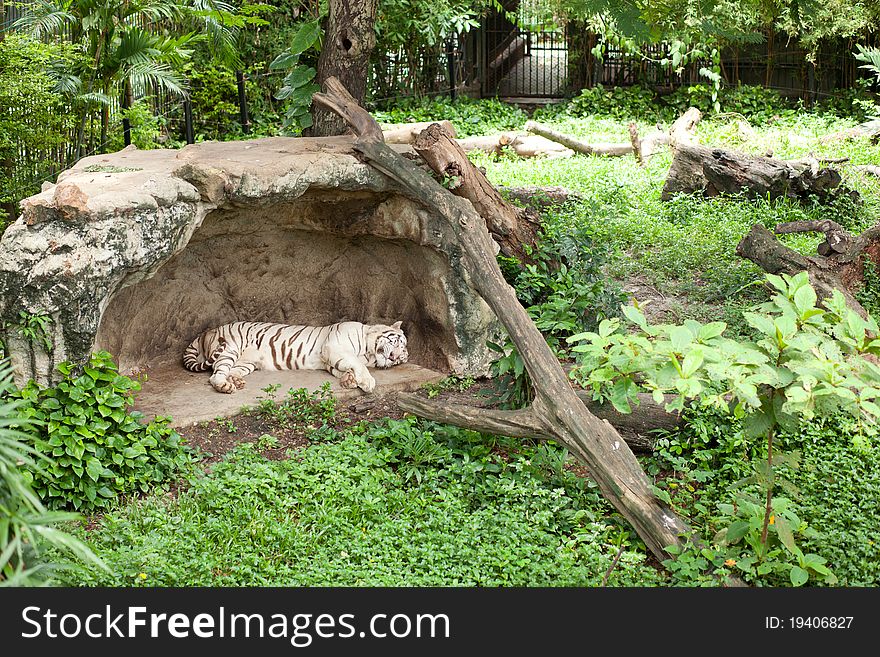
<point>223,385</point>
<point>236,380</point>
<point>348,380</point>
<point>367,383</point>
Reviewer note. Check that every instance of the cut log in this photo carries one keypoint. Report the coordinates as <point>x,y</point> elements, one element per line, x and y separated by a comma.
<point>636,143</point>
<point>868,130</point>
<point>537,146</point>
<point>492,144</point>
<point>513,228</point>
<point>609,150</point>
<point>556,407</point>
<point>682,131</point>
<point>646,417</point>
<point>713,171</point>
<point>406,133</point>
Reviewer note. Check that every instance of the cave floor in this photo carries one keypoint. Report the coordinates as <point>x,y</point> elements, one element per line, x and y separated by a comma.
<point>188,398</point>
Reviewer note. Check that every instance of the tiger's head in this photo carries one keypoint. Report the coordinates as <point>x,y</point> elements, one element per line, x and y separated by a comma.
<point>391,347</point>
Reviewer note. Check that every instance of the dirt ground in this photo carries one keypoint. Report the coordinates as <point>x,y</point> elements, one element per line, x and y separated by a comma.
<point>213,438</point>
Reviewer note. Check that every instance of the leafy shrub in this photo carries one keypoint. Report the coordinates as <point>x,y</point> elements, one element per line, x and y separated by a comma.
<point>34,118</point>
<point>99,449</point>
<point>301,408</point>
<point>27,529</point>
<point>808,362</point>
<point>838,484</point>
<point>756,103</point>
<point>564,290</point>
<point>469,116</point>
<point>624,103</point>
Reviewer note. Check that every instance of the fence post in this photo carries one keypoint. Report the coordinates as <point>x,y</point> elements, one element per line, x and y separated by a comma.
<point>450,64</point>
<point>242,103</point>
<point>188,121</point>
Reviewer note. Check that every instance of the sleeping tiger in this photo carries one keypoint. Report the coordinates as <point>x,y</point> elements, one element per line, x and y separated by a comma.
<point>345,349</point>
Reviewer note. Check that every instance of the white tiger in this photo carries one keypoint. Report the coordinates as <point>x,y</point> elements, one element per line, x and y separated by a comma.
<point>345,349</point>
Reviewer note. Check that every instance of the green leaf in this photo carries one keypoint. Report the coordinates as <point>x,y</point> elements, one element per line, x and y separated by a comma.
<point>786,537</point>
<point>798,576</point>
<point>635,315</point>
<point>737,529</point>
<point>619,395</point>
<point>680,337</point>
<point>757,424</point>
<point>711,330</point>
<point>691,363</point>
<point>94,469</point>
<point>284,60</point>
<point>305,38</point>
<point>760,323</point>
<point>299,76</point>
<point>805,299</point>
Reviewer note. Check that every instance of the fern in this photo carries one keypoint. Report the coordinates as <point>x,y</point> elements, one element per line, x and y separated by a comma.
<point>872,58</point>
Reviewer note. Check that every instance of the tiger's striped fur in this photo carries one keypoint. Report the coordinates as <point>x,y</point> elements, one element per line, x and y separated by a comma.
<point>345,349</point>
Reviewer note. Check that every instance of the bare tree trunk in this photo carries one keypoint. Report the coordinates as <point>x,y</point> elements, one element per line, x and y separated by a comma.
<point>557,410</point>
<point>512,227</point>
<point>348,42</point>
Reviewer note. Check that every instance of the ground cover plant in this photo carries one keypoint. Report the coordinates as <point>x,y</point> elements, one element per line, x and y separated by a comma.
<point>398,502</point>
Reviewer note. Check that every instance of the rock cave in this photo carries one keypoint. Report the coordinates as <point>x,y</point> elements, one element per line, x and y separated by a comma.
<point>137,252</point>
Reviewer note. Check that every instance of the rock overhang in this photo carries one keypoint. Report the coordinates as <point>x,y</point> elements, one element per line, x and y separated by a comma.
<point>134,234</point>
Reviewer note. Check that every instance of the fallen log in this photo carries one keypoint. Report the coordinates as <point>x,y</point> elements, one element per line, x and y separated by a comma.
<point>839,264</point>
<point>556,407</point>
<point>523,145</point>
<point>714,171</point>
<point>871,169</point>
<point>608,150</point>
<point>511,227</point>
<point>406,133</point>
<point>634,428</point>
<point>540,198</point>
<point>868,130</point>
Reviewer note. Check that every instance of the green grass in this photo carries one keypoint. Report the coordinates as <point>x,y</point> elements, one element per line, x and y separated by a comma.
<point>687,246</point>
<point>353,513</point>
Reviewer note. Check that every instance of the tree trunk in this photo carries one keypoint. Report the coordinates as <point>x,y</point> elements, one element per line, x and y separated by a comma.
<point>345,55</point>
<point>556,408</point>
<point>513,228</point>
<point>839,264</point>
<point>634,427</point>
<point>713,171</point>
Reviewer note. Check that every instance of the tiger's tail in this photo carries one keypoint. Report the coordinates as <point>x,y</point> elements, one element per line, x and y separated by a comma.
<point>195,357</point>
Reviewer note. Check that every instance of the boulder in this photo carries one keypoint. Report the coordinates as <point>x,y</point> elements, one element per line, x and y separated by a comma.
<point>137,252</point>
